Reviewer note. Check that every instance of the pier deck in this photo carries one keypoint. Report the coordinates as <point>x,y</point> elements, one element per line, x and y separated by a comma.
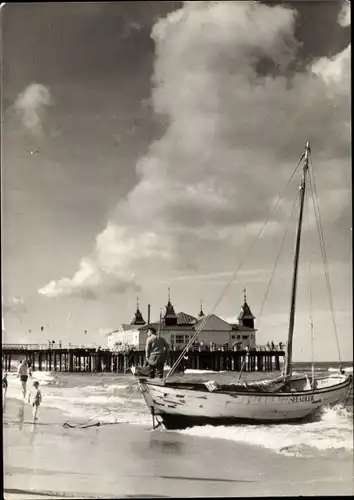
<point>76,359</point>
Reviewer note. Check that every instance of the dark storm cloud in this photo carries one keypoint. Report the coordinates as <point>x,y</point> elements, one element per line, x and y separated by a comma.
<point>68,42</point>
<point>317,28</point>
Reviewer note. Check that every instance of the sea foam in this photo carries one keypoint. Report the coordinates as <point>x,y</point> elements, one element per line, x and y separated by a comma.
<point>333,432</point>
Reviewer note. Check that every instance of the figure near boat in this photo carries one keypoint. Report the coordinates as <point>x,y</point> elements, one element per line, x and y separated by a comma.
<point>156,351</point>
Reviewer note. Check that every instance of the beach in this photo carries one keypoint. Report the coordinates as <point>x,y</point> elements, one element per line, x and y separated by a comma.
<point>124,457</point>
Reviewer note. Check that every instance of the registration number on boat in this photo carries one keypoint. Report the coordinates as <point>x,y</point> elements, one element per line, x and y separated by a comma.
<point>301,399</point>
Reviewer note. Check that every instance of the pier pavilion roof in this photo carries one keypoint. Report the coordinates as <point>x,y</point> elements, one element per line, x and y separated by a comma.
<point>184,321</point>
<point>213,322</point>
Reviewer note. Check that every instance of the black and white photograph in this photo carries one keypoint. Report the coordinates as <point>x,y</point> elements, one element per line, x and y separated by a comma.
<point>176,243</point>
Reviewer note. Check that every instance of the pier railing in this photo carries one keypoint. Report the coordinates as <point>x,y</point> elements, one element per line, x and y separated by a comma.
<point>44,347</point>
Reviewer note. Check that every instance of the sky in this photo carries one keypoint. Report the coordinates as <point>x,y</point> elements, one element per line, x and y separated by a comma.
<point>143,147</point>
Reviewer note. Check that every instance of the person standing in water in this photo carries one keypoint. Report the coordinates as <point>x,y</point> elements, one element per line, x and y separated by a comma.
<point>23,372</point>
<point>37,399</point>
<point>156,350</point>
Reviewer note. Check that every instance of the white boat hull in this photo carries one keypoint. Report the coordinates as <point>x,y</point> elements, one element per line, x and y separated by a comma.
<point>180,406</point>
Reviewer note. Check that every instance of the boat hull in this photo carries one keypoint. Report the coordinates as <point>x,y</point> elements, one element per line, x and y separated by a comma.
<point>180,406</point>
<point>176,422</point>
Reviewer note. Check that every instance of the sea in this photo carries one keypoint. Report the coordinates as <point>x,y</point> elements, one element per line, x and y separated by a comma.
<point>87,398</point>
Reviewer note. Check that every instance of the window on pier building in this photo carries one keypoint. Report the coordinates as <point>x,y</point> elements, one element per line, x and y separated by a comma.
<point>182,339</point>
<point>244,337</point>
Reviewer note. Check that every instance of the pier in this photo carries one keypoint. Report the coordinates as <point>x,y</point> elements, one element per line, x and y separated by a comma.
<point>89,359</point>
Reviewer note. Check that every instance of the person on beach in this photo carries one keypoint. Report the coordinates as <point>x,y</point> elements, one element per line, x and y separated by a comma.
<point>4,386</point>
<point>37,399</point>
<point>23,372</point>
<point>156,350</point>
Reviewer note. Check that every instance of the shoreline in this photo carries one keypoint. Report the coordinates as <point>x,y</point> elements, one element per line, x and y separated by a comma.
<point>132,460</point>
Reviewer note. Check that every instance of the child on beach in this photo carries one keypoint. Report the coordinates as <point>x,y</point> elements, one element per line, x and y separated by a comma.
<point>37,399</point>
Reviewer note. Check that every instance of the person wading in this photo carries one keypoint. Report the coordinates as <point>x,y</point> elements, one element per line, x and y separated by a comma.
<point>157,350</point>
<point>23,372</point>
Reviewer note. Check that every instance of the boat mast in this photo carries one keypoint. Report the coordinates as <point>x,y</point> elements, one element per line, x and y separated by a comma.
<point>296,263</point>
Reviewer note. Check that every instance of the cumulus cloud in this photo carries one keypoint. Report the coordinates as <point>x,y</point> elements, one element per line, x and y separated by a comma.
<point>344,15</point>
<point>31,105</point>
<point>232,137</point>
<point>14,305</point>
<point>89,281</point>
<point>335,71</point>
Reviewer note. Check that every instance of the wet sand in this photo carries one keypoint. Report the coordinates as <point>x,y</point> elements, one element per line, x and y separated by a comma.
<point>46,460</point>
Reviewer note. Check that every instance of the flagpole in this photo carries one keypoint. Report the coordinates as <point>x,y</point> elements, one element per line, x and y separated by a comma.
<point>69,325</point>
<point>160,324</point>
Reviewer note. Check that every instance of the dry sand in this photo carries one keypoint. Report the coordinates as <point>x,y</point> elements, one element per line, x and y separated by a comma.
<point>46,460</point>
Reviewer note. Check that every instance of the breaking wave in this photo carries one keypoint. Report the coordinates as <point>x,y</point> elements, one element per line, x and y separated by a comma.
<point>15,391</point>
<point>349,369</point>
<point>334,432</point>
<point>106,402</point>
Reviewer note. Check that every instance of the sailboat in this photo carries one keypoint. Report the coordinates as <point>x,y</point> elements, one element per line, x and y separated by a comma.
<point>288,398</point>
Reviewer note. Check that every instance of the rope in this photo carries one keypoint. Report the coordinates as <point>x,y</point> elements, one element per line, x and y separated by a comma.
<point>242,368</point>
<point>324,255</point>
<point>277,259</point>
<point>310,290</point>
<point>231,280</point>
<point>85,425</point>
<point>29,422</point>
